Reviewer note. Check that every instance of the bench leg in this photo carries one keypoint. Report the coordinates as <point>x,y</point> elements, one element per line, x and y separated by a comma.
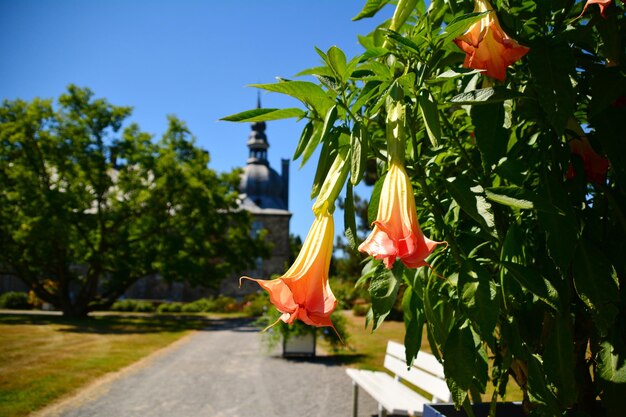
<point>381,411</point>
<point>355,399</point>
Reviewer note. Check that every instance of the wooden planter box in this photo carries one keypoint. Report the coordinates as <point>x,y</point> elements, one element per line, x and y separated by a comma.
<point>303,345</point>
<point>480,410</point>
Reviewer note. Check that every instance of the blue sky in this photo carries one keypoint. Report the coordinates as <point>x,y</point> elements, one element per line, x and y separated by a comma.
<point>189,58</point>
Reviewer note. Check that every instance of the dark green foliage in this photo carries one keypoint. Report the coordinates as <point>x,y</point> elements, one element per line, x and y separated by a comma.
<point>534,270</point>
<point>15,300</point>
<point>138,306</point>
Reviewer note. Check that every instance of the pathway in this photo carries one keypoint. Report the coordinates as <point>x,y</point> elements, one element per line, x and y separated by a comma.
<point>224,372</point>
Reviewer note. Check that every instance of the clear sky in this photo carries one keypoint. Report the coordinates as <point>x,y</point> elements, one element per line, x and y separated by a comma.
<point>189,58</point>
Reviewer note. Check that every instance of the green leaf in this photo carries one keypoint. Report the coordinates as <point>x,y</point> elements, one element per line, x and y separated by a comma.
<point>329,121</point>
<point>519,198</point>
<point>459,25</point>
<point>370,9</point>
<point>558,358</point>
<point>337,60</point>
<point>611,363</point>
<point>402,13</point>
<point>459,356</point>
<point>307,132</point>
<point>538,390</point>
<point>550,64</point>
<point>470,197</point>
<point>611,372</point>
<point>485,96</point>
<point>262,115</point>
<point>413,323</point>
<point>533,281</point>
<point>459,395</point>
<point>428,108</point>
<point>321,70</point>
<point>562,229</point>
<point>311,144</point>
<point>454,73</point>
<point>372,208</point>
<point>478,296</point>
<point>596,283</point>
<point>384,290</point>
<point>327,156</point>
<point>359,149</point>
<point>349,219</point>
<point>401,40</point>
<point>491,137</point>
<point>308,93</point>
<point>439,312</point>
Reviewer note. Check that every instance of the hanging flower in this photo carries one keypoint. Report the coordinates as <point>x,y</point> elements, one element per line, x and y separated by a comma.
<point>303,292</point>
<point>595,166</point>
<point>396,232</point>
<point>602,4</point>
<point>486,45</point>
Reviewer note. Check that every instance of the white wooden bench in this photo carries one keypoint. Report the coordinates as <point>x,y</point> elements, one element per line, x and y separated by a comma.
<point>392,395</point>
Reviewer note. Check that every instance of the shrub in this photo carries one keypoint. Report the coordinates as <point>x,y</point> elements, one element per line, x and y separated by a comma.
<point>282,330</point>
<point>222,304</point>
<point>255,305</point>
<point>347,293</point>
<point>15,300</point>
<point>360,310</point>
<point>170,308</point>
<point>198,306</point>
<point>140,306</point>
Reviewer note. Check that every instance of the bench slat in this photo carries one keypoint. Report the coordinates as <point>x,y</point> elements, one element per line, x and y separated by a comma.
<point>424,360</point>
<point>391,394</point>
<point>433,385</point>
<point>395,397</point>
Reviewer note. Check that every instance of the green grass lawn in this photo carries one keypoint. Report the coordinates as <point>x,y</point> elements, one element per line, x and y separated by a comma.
<point>43,358</point>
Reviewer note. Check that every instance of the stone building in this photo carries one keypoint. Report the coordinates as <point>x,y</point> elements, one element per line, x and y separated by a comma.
<point>265,194</point>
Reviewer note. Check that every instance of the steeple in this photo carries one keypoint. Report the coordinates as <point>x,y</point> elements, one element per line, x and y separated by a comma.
<point>257,141</point>
<point>261,186</point>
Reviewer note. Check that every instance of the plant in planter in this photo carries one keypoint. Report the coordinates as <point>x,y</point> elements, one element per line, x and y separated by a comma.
<point>496,133</point>
<point>284,333</point>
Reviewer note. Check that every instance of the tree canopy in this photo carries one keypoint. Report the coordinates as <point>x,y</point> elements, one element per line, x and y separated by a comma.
<point>88,207</point>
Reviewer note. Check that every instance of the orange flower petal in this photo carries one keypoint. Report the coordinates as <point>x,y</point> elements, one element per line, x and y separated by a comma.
<point>303,292</point>
<point>396,232</point>
<point>487,47</point>
<point>602,4</point>
<point>595,165</point>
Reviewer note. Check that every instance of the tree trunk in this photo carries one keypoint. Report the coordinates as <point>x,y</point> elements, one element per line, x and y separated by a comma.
<point>74,312</point>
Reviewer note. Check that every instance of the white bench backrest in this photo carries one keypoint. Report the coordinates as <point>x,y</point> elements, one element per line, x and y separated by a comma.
<point>426,372</point>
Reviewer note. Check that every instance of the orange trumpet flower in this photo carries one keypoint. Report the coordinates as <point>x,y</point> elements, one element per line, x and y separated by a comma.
<point>486,45</point>
<point>602,4</point>
<point>594,165</point>
<point>303,292</point>
<point>396,232</point>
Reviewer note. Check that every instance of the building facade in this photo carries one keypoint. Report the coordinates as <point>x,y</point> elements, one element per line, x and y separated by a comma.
<point>265,194</point>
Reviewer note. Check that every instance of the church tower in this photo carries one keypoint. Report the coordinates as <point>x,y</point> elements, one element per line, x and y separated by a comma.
<point>265,194</point>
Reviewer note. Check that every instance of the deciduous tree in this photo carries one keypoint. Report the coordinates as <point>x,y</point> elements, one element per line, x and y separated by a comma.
<point>88,208</point>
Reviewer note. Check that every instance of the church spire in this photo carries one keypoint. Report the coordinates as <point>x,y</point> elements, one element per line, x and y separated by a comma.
<point>257,141</point>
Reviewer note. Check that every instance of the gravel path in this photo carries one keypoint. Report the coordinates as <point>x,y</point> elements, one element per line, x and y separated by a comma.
<point>223,372</point>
